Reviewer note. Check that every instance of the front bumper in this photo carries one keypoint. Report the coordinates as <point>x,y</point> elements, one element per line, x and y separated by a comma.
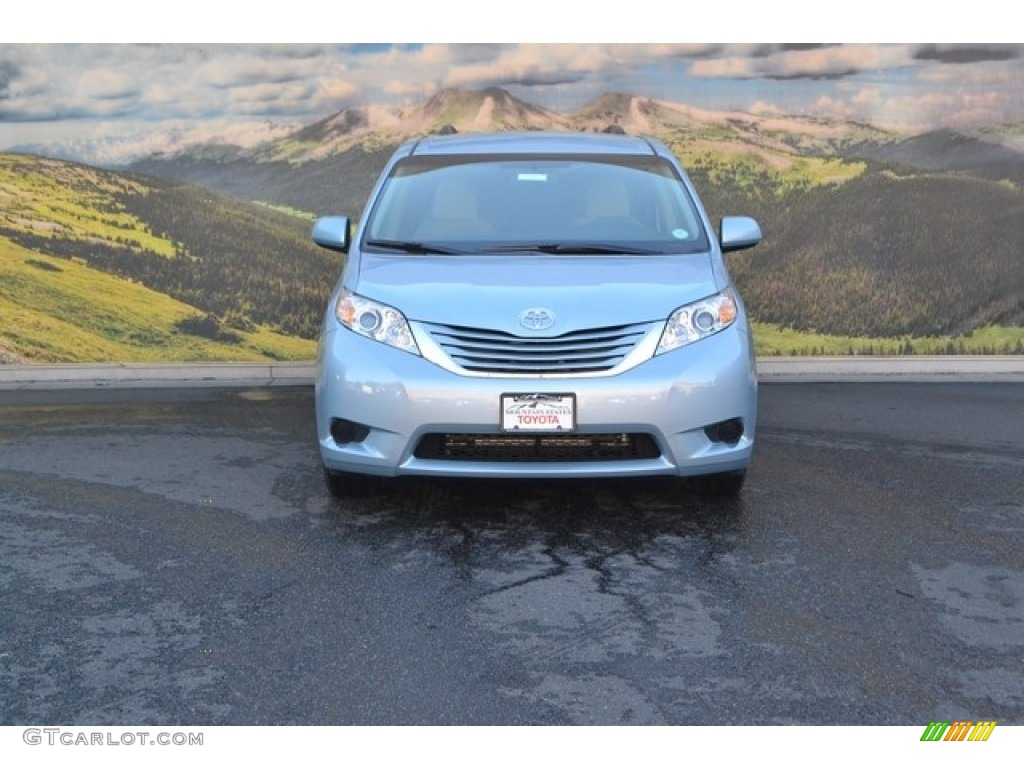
<point>396,399</point>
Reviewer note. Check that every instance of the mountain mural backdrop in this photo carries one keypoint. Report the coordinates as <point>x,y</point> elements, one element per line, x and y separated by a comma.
<point>875,241</point>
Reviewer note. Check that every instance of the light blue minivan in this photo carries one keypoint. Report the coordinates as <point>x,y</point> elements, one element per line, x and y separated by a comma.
<point>535,305</point>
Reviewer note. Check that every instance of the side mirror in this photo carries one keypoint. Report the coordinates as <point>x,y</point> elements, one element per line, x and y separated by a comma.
<point>738,232</point>
<point>332,232</point>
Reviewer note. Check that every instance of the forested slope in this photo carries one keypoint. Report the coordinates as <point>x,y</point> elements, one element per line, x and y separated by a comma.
<point>889,254</point>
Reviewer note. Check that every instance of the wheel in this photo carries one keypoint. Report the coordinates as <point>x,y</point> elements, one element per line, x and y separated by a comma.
<point>348,485</point>
<point>725,484</point>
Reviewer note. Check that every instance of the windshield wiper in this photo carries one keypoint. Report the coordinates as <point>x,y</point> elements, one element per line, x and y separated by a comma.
<point>407,246</point>
<point>581,248</point>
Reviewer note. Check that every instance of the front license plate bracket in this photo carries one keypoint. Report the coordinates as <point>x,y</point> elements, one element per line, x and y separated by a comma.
<point>538,412</point>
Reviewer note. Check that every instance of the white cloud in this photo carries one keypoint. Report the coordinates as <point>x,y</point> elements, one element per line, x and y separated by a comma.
<point>826,62</point>
<point>767,109</point>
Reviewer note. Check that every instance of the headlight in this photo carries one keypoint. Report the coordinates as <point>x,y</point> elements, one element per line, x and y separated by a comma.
<point>698,321</point>
<point>375,321</point>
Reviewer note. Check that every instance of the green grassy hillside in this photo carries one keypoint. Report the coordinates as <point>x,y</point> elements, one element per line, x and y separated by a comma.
<point>98,266</point>
<point>58,310</point>
<point>772,340</point>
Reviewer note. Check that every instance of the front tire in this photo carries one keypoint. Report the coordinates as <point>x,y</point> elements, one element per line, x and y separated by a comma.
<point>348,485</point>
<point>722,485</point>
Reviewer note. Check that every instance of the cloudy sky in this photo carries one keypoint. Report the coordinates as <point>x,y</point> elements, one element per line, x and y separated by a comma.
<point>108,102</point>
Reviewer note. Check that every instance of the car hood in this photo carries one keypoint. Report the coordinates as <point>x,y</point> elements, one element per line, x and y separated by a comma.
<point>493,291</point>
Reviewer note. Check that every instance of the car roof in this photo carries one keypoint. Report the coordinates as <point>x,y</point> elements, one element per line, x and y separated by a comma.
<point>533,142</point>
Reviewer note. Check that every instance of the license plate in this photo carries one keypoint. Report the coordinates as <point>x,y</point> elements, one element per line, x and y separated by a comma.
<point>538,412</point>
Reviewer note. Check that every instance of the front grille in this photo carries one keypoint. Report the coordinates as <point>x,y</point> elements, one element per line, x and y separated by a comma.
<point>486,351</point>
<point>506,447</point>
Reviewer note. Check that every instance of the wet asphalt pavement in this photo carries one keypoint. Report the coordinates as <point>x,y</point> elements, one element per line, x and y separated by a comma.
<point>171,557</point>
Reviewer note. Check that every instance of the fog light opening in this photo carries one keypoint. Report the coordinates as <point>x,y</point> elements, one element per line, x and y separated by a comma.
<point>729,431</point>
<point>344,431</point>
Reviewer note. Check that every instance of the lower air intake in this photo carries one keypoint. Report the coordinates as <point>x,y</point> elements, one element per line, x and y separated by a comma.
<point>510,447</point>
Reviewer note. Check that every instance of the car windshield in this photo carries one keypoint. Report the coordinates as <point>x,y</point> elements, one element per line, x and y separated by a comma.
<point>591,204</point>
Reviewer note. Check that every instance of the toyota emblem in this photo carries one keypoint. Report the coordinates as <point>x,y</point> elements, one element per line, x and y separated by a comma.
<point>537,318</point>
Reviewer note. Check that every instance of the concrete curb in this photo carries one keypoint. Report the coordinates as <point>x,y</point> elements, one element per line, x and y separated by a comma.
<point>770,370</point>
<point>97,376</point>
<point>912,368</point>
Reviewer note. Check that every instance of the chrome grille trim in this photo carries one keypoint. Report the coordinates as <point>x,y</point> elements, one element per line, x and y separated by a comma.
<point>593,350</point>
